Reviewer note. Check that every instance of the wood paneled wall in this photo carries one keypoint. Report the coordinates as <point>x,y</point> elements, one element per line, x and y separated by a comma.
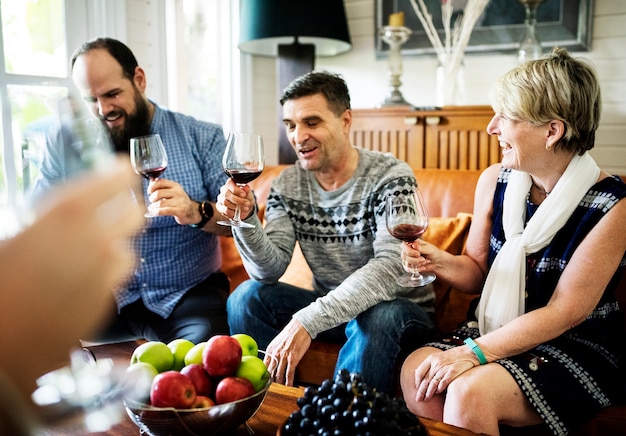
<point>450,138</point>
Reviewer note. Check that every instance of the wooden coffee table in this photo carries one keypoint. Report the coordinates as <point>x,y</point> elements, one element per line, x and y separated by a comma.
<point>279,403</point>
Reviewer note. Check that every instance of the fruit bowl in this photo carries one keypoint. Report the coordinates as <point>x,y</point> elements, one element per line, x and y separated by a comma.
<point>212,420</point>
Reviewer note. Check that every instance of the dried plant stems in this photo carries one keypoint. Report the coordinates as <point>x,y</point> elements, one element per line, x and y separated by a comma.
<point>450,53</point>
<point>446,18</point>
<point>427,23</point>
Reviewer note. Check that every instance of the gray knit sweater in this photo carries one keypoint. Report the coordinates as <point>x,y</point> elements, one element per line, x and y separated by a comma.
<point>343,237</point>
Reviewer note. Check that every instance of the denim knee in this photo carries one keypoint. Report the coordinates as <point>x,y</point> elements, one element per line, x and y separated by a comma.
<point>393,316</point>
<point>240,304</point>
<point>239,298</point>
<point>262,310</point>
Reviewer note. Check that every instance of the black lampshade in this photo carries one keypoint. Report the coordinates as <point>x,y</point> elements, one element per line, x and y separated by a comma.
<point>266,23</point>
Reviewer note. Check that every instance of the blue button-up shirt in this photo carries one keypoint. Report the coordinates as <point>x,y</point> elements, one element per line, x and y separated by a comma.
<point>172,257</point>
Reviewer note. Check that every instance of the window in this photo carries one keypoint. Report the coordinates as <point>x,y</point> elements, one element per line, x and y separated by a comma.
<point>204,71</point>
<point>34,75</point>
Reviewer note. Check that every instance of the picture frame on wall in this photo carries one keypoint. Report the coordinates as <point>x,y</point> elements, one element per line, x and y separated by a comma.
<point>566,23</point>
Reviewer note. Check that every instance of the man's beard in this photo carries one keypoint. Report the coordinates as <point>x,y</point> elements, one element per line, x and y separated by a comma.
<point>134,125</point>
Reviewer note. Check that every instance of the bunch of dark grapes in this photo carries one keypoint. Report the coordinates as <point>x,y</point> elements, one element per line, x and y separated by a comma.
<point>348,406</point>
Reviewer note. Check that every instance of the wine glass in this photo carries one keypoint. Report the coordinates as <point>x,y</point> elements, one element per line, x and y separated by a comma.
<point>148,157</point>
<point>243,162</point>
<point>407,220</point>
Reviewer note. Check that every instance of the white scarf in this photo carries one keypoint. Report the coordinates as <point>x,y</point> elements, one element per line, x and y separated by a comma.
<point>503,295</point>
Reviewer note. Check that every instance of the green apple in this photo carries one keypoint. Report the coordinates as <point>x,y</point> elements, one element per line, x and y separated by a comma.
<point>194,355</point>
<point>155,353</point>
<point>138,381</point>
<point>249,346</point>
<point>179,348</point>
<point>253,368</point>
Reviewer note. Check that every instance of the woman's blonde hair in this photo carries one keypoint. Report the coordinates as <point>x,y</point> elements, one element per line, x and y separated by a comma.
<point>557,87</point>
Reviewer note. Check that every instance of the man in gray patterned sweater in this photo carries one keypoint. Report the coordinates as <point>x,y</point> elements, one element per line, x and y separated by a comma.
<point>332,203</point>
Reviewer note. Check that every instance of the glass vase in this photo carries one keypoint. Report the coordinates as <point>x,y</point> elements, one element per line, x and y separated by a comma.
<point>450,82</point>
<point>530,44</point>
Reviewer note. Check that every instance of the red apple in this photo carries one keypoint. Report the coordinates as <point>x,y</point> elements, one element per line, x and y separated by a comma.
<point>233,389</point>
<point>200,379</point>
<point>221,356</point>
<point>202,402</point>
<point>172,389</point>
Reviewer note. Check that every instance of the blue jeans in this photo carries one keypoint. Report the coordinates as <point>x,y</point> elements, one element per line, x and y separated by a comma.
<point>374,342</point>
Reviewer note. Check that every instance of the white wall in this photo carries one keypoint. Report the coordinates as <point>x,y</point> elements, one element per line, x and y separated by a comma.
<point>366,77</point>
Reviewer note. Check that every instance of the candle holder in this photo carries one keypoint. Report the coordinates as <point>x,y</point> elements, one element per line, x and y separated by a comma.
<point>395,36</point>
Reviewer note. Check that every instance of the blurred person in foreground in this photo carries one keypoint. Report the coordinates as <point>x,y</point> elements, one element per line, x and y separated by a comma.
<point>331,202</point>
<point>177,290</point>
<point>547,246</point>
<point>50,296</point>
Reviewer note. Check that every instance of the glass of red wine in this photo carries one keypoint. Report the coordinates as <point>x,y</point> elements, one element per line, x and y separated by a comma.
<point>148,157</point>
<point>407,220</point>
<point>243,162</point>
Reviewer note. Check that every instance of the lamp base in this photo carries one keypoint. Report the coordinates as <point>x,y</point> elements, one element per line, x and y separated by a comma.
<point>294,60</point>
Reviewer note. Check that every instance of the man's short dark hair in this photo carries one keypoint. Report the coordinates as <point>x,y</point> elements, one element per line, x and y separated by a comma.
<point>331,86</point>
<point>120,52</point>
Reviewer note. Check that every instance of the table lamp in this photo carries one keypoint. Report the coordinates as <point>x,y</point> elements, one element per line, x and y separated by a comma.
<point>294,32</point>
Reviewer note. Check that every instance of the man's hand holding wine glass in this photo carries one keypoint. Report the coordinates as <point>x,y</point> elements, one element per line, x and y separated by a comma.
<point>168,198</point>
<point>243,162</point>
<point>240,197</point>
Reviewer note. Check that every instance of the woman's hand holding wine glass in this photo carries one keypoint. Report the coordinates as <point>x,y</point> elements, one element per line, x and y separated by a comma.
<point>407,220</point>
<point>148,157</point>
<point>243,162</point>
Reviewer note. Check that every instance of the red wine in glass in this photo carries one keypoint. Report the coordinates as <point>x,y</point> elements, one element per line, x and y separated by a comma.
<point>407,232</point>
<point>243,162</point>
<point>152,174</point>
<point>407,220</point>
<point>148,157</point>
<point>243,177</point>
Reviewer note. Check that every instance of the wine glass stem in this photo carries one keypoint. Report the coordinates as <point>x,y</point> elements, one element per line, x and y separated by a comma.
<point>415,275</point>
<point>237,217</point>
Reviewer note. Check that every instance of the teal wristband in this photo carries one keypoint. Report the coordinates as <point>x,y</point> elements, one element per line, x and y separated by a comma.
<point>476,349</point>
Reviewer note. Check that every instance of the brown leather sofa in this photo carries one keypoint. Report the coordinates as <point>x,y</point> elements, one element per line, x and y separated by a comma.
<point>449,195</point>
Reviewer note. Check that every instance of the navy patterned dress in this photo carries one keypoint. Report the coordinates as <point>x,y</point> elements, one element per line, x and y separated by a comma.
<point>570,378</point>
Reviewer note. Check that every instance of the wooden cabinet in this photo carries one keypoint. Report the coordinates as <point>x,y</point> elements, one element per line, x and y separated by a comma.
<point>453,137</point>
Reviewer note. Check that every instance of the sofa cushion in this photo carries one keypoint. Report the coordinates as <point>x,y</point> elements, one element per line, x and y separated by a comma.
<point>232,265</point>
<point>449,233</point>
<point>298,272</point>
<point>447,192</point>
